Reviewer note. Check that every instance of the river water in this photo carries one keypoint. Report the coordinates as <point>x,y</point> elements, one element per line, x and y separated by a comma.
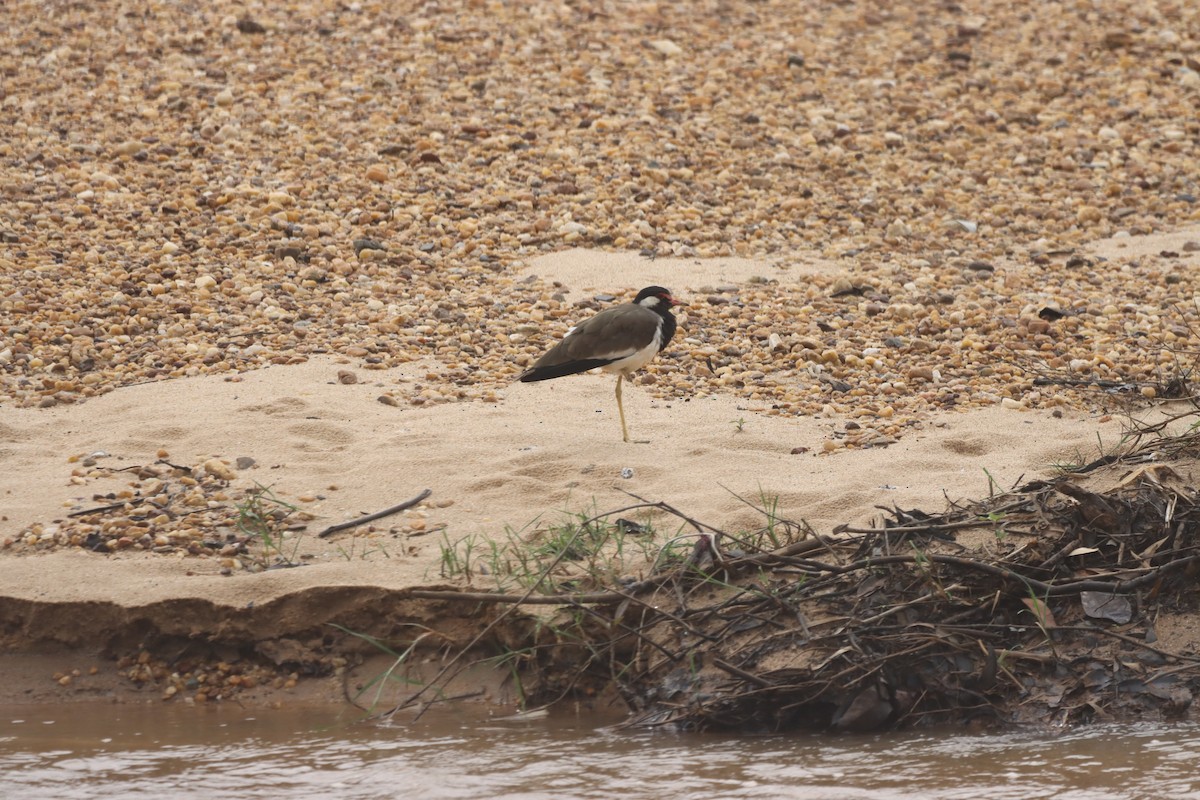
<point>174,752</point>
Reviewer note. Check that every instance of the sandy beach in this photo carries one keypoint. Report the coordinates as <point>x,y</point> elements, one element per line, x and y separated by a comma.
<point>539,454</point>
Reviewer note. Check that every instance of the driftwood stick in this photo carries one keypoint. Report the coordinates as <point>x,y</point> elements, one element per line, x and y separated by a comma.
<point>737,672</point>
<point>110,507</point>
<point>387,512</point>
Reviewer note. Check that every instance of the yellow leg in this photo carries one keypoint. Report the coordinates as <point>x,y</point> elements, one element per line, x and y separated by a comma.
<point>621,409</point>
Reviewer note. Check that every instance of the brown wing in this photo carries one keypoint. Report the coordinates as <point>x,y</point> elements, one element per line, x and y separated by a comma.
<point>598,341</point>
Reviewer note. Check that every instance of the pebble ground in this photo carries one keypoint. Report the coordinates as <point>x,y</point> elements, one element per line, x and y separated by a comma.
<point>193,188</point>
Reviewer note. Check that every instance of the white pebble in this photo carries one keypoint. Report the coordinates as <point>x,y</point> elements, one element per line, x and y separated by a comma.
<point>666,47</point>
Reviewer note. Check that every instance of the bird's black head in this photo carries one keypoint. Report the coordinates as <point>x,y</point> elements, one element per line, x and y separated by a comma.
<point>656,297</point>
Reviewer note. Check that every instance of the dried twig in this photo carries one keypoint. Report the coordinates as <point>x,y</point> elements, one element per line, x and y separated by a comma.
<point>387,512</point>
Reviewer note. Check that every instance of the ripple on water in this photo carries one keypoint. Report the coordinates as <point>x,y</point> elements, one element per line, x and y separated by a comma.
<point>216,754</point>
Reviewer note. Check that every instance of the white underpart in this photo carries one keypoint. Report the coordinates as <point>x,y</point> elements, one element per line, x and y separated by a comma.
<point>627,362</point>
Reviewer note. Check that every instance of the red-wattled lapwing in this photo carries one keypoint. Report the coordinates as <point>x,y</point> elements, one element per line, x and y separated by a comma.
<point>621,340</point>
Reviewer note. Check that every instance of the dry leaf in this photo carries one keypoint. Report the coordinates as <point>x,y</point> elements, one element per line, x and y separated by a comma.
<point>1040,610</point>
<point>1103,605</point>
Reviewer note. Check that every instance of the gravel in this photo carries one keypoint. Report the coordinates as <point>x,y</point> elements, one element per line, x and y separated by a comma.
<point>192,189</point>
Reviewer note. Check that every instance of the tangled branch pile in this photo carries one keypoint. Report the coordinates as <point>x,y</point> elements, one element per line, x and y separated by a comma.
<point>1038,605</point>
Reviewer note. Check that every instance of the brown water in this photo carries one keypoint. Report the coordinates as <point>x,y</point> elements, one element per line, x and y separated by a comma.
<point>168,752</point>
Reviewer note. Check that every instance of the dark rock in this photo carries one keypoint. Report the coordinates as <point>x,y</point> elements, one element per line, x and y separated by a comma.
<point>247,25</point>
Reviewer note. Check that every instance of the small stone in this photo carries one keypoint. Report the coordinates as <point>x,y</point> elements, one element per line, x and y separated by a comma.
<point>1118,39</point>
<point>219,469</point>
<point>245,462</point>
<point>920,373</point>
<point>1038,327</point>
<point>292,250</point>
<point>841,286</point>
<point>377,173</point>
<point>388,400</point>
<point>897,229</point>
<point>247,25</point>
<point>666,47</point>
<point>347,377</point>
<point>366,244</point>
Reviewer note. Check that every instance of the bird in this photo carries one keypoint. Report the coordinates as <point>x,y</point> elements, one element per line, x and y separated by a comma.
<point>621,339</point>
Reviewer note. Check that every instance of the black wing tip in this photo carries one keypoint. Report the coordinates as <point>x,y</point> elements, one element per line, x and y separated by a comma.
<point>534,374</point>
